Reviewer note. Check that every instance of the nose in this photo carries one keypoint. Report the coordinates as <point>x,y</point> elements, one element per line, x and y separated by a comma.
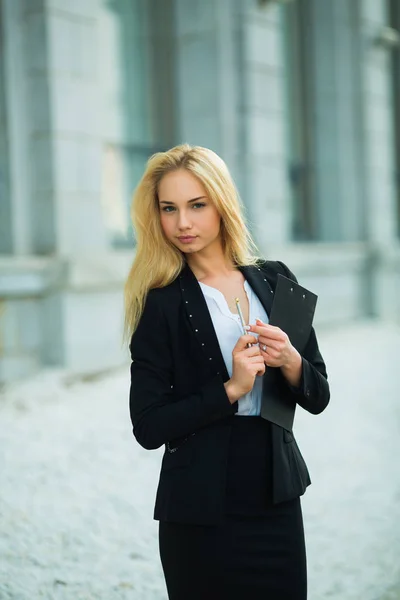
<point>183,220</point>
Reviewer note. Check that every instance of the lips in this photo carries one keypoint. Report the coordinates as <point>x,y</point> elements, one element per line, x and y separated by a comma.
<point>187,238</point>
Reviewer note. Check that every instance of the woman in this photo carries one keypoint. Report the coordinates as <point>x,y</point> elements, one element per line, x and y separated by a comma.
<point>230,521</point>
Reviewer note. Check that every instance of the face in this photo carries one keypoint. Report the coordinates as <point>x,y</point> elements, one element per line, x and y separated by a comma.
<point>186,211</point>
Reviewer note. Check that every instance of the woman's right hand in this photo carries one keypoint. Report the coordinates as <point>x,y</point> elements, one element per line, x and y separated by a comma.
<point>246,364</point>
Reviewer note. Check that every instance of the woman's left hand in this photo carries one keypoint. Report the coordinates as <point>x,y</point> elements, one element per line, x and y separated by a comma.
<point>275,346</point>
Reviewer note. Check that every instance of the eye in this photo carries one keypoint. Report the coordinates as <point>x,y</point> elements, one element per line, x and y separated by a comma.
<point>199,204</point>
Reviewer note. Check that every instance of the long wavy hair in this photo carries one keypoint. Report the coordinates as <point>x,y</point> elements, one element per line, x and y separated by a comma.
<point>157,261</point>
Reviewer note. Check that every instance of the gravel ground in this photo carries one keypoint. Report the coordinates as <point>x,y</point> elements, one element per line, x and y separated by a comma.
<point>77,491</point>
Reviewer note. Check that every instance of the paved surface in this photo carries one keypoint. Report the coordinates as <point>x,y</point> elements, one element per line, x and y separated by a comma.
<point>77,492</point>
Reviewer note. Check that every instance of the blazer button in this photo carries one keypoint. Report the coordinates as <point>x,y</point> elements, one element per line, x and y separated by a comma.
<point>307,392</point>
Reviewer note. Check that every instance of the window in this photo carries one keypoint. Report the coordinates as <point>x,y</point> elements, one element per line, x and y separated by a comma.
<point>137,71</point>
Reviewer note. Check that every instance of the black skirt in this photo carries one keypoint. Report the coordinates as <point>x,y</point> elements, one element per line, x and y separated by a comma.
<point>257,552</point>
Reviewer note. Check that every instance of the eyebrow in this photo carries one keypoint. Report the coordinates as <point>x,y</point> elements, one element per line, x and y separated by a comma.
<point>192,200</point>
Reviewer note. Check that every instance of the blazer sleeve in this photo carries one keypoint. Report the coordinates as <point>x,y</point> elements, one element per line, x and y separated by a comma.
<point>157,417</point>
<point>313,393</point>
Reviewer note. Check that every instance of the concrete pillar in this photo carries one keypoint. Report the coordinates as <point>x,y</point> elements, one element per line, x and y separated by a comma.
<point>15,199</point>
<point>336,95</point>
<point>52,82</point>
<point>230,98</point>
<point>378,125</point>
<point>262,111</point>
<point>5,200</point>
<point>65,138</point>
<point>379,155</point>
<point>206,77</point>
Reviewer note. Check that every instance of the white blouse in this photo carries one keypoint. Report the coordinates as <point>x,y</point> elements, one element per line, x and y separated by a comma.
<point>228,329</point>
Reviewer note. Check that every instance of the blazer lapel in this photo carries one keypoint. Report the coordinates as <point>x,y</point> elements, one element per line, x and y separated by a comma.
<point>199,316</point>
<point>201,323</point>
<point>260,285</point>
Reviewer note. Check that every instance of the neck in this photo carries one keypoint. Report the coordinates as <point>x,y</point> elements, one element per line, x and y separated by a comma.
<point>217,267</point>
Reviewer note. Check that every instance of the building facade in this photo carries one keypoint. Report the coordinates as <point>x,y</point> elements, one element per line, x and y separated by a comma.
<point>301,98</point>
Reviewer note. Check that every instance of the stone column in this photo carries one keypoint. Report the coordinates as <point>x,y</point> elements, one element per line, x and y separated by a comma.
<point>262,112</point>
<point>15,215</point>
<point>64,137</point>
<point>206,77</point>
<point>5,202</point>
<point>335,75</point>
<point>53,76</point>
<point>378,125</point>
<point>380,202</point>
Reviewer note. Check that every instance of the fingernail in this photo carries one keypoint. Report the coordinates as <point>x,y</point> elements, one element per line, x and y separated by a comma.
<point>247,327</point>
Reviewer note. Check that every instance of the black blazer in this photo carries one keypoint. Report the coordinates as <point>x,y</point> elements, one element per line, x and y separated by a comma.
<point>178,398</point>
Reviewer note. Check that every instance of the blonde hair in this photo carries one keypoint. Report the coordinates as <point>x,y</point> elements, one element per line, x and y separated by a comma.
<point>157,261</point>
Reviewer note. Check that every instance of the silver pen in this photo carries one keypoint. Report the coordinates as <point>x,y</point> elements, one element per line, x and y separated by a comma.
<point>245,332</point>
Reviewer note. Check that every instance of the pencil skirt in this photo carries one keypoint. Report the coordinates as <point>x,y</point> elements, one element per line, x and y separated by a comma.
<point>257,551</point>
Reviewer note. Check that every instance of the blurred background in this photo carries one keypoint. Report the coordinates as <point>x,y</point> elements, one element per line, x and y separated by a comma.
<point>301,98</point>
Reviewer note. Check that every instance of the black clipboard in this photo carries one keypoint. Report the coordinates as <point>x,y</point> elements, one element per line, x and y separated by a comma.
<point>292,311</point>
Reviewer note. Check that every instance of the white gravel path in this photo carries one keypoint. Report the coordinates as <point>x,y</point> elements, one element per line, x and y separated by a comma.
<point>77,491</point>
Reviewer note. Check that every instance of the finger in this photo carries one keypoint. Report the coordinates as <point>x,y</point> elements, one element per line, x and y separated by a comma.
<point>278,344</point>
<point>274,339</point>
<point>269,331</point>
<point>253,351</point>
<point>271,353</point>
<point>261,365</point>
<point>263,341</point>
<point>256,359</point>
<point>271,361</point>
<point>267,325</point>
<point>244,340</point>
